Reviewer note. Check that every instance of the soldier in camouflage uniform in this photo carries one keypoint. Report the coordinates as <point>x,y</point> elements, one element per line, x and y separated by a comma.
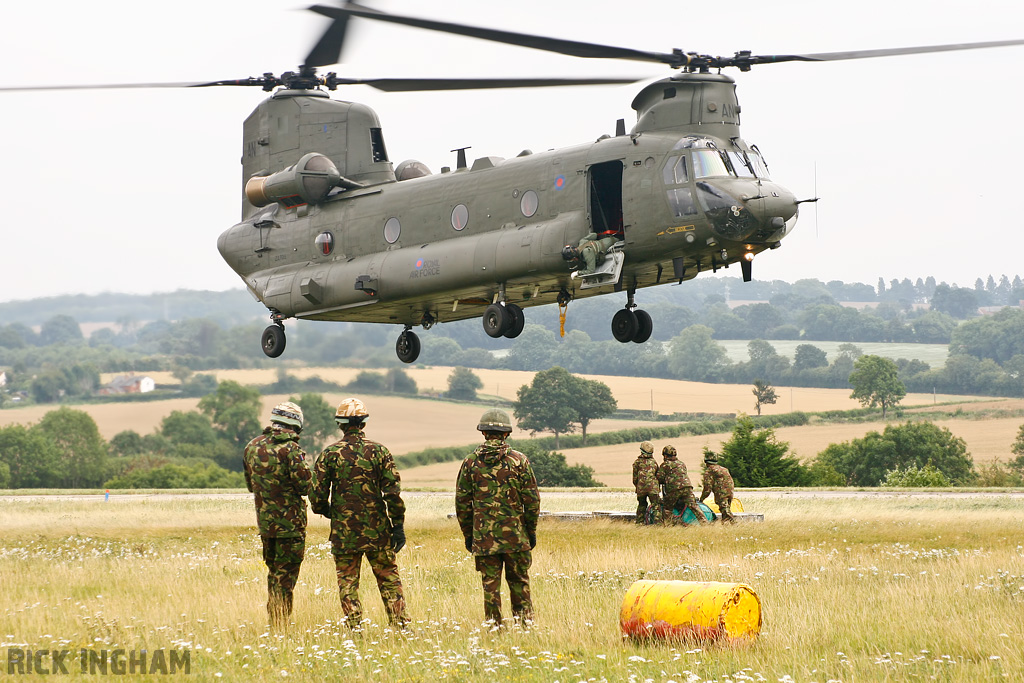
<point>718,480</point>
<point>645,479</point>
<point>497,504</point>
<point>359,489</point>
<point>678,491</point>
<point>277,474</point>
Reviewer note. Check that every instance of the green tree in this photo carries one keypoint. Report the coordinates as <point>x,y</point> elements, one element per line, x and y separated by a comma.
<point>764,394</point>
<point>60,329</point>
<point>875,381</point>
<point>318,425</point>
<point>197,475</point>
<point>955,301</point>
<point>928,476</point>
<point>808,357</point>
<point>463,384</point>
<point>398,381</point>
<point>83,452</point>
<point>754,457</point>
<point>865,461</point>
<point>694,355</point>
<point>127,443</point>
<point>551,469</point>
<point>192,428</point>
<point>592,400</point>
<point>32,459</point>
<point>234,410</point>
<point>545,405</point>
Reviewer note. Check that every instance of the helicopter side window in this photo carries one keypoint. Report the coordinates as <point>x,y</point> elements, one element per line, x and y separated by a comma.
<point>708,163</point>
<point>392,230</point>
<point>460,217</point>
<point>681,201</point>
<point>740,164</point>
<point>529,203</point>
<point>325,243</point>
<point>674,172</point>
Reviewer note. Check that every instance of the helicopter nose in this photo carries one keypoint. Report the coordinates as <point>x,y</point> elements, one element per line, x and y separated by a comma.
<point>775,210</point>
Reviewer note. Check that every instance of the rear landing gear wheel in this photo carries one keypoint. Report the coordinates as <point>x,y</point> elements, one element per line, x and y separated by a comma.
<point>624,325</point>
<point>408,346</point>
<point>516,321</point>
<point>496,320</point>
<point>273,340</point>
<point>644,326</point>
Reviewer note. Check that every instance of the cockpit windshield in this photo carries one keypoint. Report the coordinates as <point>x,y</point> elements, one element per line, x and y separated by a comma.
<point>708,163</point>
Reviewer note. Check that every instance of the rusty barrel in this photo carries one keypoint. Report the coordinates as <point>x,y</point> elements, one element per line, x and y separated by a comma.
<point>691,610</point>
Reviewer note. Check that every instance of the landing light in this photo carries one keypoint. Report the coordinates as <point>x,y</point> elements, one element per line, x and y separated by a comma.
<point>749,256</point>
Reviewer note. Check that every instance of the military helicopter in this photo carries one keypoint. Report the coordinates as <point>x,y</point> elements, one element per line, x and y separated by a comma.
<point>332,230</point>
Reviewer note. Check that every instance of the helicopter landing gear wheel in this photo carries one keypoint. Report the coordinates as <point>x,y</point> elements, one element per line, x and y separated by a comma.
<point>496,320</point>
<point>624,325</point>
<point>408,346</point>
<point>516,321</point>
<point>273,340</point>
<point>644,326</point>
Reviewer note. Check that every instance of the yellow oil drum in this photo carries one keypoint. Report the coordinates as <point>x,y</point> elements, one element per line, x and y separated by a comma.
<point>690,610</point>
<point>736,506</point>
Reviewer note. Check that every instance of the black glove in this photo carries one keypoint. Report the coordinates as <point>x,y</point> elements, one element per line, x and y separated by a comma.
<point>398,538</point>
<point>469,544</point>
<point>324,510</point>
<point>532,535</point>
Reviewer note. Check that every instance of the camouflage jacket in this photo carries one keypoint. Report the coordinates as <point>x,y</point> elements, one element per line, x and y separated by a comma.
<point>358,487</point>
<point>645,475</point>
<point>672,475</point>
<point>277,473</point>
<point>716,480</point>
<point>496,499</point>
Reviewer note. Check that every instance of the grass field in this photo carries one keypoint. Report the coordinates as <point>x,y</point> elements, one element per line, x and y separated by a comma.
<point>852,589</point>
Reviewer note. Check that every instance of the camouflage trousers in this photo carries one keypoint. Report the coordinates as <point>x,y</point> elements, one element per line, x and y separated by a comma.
<point>642,505</point>
<point>389,583</point>
<point>682,501</point>
<point>283,557</point>
<point>724,505</point>
<point>517,576</point>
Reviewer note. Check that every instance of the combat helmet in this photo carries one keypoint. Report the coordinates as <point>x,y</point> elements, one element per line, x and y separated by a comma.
<point>495,420</point>
<point>351,411</point>
<point>287,414</point>
<point>710,458</point>
<point>647,448</point>
<point>669,451</point>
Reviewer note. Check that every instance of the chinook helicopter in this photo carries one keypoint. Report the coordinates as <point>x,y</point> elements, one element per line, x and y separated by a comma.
<point>332,230</point>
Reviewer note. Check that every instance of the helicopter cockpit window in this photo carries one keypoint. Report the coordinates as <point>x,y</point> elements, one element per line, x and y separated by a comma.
<point>529,203</point>
<point>691,141</point>
<point>324,243</point>
<point>681,201</point>
<point>392,230</point>
<point>760,168</point>
<point>740,164</point>
<point>708,163</point>
<point>460,217</point>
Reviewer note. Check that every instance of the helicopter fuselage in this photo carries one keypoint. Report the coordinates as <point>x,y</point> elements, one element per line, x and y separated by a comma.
<point>682,193</point>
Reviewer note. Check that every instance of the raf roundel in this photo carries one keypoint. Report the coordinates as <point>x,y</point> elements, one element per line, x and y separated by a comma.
<point>560,182</point>
<point>419,264</point>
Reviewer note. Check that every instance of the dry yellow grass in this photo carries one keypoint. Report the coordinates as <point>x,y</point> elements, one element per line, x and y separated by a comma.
<point>873,589</point>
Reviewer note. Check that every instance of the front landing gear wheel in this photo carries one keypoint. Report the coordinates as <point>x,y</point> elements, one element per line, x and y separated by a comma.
<point>624,325</point>
<point>644,326</point>
<point>273,340</point>
<point>516,321</point>
<point>408,346</point>
<point>496,320</point>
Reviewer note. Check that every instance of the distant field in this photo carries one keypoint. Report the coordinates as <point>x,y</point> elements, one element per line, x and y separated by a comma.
<point>932,354</point>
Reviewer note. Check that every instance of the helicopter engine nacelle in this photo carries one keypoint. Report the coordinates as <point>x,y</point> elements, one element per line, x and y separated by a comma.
<point>307,182</point>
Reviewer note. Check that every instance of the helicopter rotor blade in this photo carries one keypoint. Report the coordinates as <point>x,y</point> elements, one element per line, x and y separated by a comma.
<point>561,46</point>
<point>427,84</point>
<point>865,54</point>
<point>133,86</point>
<point>328,49</point>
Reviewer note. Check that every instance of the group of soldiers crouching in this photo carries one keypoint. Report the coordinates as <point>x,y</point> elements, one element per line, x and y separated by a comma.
<point>356,485</point>
<point>664,490</point>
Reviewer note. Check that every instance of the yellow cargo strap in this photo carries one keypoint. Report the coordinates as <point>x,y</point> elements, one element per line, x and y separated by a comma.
<point>562,308</point>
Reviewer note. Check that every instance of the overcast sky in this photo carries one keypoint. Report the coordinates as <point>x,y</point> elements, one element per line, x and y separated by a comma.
<point>916,159</point>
